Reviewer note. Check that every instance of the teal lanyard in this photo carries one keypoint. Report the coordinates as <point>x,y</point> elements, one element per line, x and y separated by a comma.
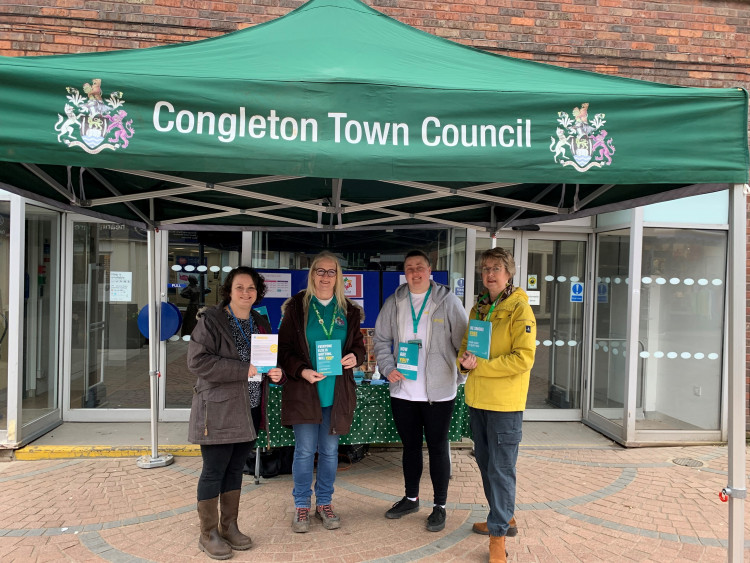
<point>328,332</point>
<point>487,316</point>
<point>414,317</point>
<point>239,326</point>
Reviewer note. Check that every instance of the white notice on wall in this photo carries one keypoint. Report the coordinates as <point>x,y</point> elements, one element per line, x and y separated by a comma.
<point>278,285</point>
<point>120,286</point>
<point>534,297</point>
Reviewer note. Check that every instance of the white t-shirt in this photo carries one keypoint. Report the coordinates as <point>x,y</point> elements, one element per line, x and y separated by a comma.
<point>408,389</point>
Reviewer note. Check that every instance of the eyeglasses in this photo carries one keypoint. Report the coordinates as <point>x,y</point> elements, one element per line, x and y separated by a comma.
<point>321,272</point>
<point>493,270</point>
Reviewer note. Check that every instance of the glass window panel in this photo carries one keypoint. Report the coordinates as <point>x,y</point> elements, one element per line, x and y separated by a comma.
<point>196,261</point>
<point>610,325</point>
<point>4,282</point>
<point>41,314</point>
<point>615,218</point>
<point>681,329</point>
<point>109,355</point>
<point>556,376</point>
<point>706,209</point>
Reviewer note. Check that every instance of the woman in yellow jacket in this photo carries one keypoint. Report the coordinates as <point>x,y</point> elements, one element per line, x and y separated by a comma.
<point>496,388</point>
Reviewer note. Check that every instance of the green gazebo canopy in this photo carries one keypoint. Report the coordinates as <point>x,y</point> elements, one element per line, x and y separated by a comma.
<point>336,110</point>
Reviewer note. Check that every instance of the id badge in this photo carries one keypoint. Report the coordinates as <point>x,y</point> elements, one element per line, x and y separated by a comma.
<point>416,341</point>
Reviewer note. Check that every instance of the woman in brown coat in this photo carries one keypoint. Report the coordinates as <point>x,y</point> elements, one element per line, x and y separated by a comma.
<point>227,406</point>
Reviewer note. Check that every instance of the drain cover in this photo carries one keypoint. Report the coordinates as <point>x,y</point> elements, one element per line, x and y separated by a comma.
<point>687,462</point>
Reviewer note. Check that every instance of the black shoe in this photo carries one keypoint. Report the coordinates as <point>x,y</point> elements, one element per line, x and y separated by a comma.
<point>402,508</point>
<point>436,520</point>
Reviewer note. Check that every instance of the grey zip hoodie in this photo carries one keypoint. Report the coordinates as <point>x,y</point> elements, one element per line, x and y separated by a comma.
<point>448,325</point>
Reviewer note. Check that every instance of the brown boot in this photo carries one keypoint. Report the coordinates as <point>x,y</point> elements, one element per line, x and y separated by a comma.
<point>210,541</point>
<point>230,507</point>
<point>497,550</point>
<point>481,528</point>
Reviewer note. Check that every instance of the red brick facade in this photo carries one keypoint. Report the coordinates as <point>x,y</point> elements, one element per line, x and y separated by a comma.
<point>687,42</point>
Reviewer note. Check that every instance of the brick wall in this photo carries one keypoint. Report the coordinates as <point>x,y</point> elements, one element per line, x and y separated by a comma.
<point>687,42</point>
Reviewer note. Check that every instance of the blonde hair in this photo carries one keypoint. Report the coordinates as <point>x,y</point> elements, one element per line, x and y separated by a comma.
<point>338,287</point>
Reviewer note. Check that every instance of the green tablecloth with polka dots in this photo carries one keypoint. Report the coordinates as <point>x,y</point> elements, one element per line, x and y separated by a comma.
<point>373,420</point>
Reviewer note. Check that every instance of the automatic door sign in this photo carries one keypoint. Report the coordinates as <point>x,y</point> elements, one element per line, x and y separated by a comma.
<point>459,289</point>
<point>602,293</point>
<point>576,292</point>
<point>531,281</point>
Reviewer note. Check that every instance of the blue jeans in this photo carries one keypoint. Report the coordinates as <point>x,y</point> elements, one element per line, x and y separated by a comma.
<point>496,438</point>
<point>308,439</point>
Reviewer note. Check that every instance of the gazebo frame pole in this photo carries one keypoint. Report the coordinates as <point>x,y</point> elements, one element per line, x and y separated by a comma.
<point>735,489</point>
<point>154,341</point>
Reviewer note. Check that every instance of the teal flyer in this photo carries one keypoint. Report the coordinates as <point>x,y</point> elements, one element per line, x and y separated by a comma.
<point>480,333</point>
<point>328,357</point>
<point>408,359</point>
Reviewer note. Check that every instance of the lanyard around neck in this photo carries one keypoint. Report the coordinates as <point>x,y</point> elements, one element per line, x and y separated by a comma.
<point>328,332</point>
<point>239,326</point>
<point>487,316</point>
<point>414,317</point>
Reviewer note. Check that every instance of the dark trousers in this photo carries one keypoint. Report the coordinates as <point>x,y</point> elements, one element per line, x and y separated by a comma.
<point>414,419</point>
<point>223,465</point>
<point>496,438</point>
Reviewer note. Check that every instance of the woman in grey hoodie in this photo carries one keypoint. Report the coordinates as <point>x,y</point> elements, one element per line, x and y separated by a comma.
<point>417,337</point>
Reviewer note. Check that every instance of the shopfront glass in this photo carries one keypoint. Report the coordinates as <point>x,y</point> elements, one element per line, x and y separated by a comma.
<point>4,312</point>
<point>109,355</point>
<point>554,280</point>
<point>198,263</point>
<point>41,314</point>
<point>681,329</point>
<point>608,379</point>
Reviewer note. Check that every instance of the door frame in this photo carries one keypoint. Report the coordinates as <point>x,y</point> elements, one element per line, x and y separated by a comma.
<point>521,251</point>
<point>18,433</point>
<point>83,414</point>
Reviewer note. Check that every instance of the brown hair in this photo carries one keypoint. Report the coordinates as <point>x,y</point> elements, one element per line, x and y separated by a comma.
<point>503,256</point>
<point>226,287</point>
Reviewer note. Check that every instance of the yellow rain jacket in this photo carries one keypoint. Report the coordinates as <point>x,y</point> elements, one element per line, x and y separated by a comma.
<point>502,382</point>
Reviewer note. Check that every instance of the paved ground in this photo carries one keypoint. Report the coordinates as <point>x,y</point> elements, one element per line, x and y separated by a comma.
<point>578,499</point>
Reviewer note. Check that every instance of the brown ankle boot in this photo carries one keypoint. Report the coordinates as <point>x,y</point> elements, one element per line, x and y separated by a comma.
<point>481,528</point>
<point>230,507</point>
<point>497,550</point>
<point>210,541</point>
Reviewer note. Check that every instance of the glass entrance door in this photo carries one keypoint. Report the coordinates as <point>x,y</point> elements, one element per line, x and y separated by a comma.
<point>552,271</point>
<point>108,355</point>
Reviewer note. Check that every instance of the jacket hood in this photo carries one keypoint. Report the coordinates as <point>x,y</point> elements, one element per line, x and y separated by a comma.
<point>517,295</point>
<point>202,311</point>
<point>439,292</point>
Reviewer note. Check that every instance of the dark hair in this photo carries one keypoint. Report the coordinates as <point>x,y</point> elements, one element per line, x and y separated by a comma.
<point>226,287</point>
<point>413,253</point>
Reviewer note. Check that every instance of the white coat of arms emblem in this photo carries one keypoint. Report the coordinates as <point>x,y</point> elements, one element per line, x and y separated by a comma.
<point>92,122</point>
<point>580,142</point>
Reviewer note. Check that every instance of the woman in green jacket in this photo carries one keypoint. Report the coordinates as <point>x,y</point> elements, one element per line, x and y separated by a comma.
<point>496,389</point>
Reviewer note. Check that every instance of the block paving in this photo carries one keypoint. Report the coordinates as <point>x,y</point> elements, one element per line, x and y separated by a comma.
<point>588,504</point>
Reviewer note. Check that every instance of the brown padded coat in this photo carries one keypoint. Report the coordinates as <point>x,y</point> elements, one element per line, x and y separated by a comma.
<point>220,412</point>
<point>300,403</point>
